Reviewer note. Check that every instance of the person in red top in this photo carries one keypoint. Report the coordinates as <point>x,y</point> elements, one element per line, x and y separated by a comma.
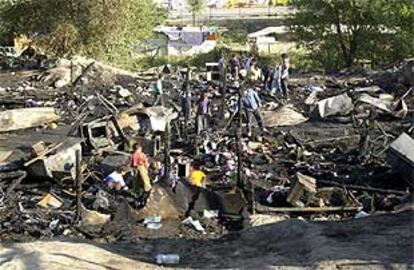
<point>139,162</point>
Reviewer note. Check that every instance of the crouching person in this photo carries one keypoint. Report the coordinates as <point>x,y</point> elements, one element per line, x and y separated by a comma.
<point>116,179</point>
<point>139,162</point>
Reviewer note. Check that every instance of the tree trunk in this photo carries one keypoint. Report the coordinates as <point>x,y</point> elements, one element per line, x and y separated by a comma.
<point>352,52</point>
<point>194,18</point>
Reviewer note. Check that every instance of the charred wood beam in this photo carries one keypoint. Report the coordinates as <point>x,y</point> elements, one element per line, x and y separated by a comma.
<point>14,184</point>
<point>362,188</point>
<point>267,209</point>
<point>78,186</point>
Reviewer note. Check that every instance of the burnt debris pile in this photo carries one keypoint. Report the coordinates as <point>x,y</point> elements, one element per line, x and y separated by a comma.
<point>340,147</point>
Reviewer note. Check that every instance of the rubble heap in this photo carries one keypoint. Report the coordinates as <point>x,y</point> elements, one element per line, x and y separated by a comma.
<point>341,148</point>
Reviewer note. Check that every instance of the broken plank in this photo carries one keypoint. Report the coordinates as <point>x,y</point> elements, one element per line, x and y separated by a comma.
<point>362,188</point>
<point>267,209</point>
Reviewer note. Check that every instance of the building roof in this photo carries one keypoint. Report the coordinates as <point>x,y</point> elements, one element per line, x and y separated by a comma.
<point>269,30</point>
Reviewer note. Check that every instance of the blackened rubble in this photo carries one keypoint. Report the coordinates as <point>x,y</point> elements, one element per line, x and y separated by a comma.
<point>319,152</point>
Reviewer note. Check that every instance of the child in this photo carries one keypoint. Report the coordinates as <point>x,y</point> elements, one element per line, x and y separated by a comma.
<point>197,181</point>
<point>116,179</point>
<point>139,162</point>
<point>156,171</point>
<point>197,177</point>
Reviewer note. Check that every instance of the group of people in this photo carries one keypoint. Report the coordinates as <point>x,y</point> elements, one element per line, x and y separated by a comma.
<point>272,79</point>
<point>146,173</point>
<point>140,167</point>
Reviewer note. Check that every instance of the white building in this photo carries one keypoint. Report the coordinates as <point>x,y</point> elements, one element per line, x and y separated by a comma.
<point>270,39</point>
<point>186,41</point>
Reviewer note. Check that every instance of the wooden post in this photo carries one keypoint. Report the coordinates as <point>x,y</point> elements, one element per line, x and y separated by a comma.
<point>253,198</point>
<point>78,183</point>
<point>167,150</point>
<point>240,182</point>
<point>72,86</point>
<point>187,84</point>
<point>223,86</point>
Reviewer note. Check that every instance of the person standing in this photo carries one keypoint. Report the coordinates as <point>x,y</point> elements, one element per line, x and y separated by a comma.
<point>186,106</point>
<point>197,181</point>
<point>234,66</point>
<point>203,111</point>
<point>281,76</point>
<point>248,62</point>
<point>285,75</point>
<point>159,92</point>
<point>221,60</point>
<point>139,162</point>
<point>252,103</point>
<point>266,76</point>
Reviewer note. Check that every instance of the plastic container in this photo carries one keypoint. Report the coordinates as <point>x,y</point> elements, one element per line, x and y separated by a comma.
<point>167,259</point>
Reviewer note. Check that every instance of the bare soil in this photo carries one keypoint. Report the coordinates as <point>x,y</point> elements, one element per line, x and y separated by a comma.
<point>375,242</point>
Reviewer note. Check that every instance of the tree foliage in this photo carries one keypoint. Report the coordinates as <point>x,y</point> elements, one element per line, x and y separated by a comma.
<point>195,7</point>
<point>341,32</point>
<point>90,27</point>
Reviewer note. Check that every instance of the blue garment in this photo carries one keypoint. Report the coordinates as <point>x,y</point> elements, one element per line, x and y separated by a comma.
<point>251,100</point>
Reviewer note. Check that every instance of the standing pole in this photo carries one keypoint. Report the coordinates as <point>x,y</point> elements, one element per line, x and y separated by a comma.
<point>167,150</point>
<point>253,198</point>
<point>268,10</point>
<point>240,182</point>
<point>223,85</point>
<point>78,183</point>
<point>187,84</point>
<point>72,83</point>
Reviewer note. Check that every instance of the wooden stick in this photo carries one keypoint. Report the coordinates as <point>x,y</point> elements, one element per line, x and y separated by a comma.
<point>30,162</point>
<point>15,183</point>
<point>264,209</point>
<point>167,150</point>
<point>239,130</point>
<point>78,186</point>
<point>356,187</point>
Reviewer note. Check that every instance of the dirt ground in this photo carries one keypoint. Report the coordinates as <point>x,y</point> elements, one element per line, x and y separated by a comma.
<point>376,242</point>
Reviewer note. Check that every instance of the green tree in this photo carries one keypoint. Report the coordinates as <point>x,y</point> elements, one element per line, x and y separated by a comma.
<point>195,7</point>
<point>339,32</point>
<point>89,27</point>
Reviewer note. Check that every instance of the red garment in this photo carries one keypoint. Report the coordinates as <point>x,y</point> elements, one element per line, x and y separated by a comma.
<point>138,159</point>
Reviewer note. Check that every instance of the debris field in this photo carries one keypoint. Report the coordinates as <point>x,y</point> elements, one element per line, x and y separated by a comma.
<point>340,148</point>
